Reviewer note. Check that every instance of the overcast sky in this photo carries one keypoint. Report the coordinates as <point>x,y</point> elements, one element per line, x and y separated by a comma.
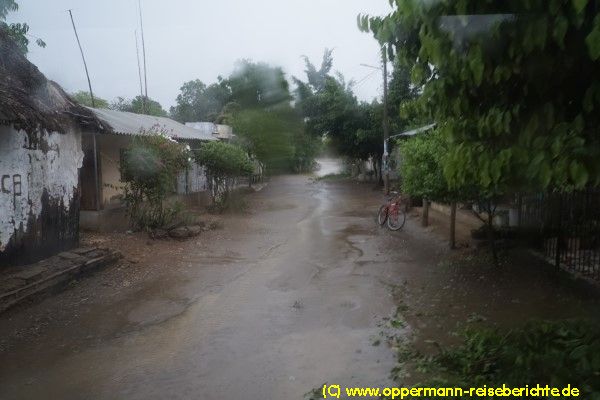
<point>200,39</point>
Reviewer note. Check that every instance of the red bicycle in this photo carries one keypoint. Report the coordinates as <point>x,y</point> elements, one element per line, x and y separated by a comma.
<point>392,213</point>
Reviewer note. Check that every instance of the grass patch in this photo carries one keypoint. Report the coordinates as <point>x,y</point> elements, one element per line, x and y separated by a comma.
<point>554,353</point>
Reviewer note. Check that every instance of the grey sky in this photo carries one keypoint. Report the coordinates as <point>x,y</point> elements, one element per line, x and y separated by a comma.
<point>197,39</point>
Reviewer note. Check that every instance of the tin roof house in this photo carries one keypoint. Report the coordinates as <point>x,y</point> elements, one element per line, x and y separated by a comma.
<point>102,192</point>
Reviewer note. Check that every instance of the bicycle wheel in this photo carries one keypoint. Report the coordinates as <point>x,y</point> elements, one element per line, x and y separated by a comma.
<point>382,215</point>
<point>396,220</point>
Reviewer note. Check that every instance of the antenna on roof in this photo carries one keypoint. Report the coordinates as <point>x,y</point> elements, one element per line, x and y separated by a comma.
<point>137,50</point>
<point>83,57</point>
<point>145,97</point>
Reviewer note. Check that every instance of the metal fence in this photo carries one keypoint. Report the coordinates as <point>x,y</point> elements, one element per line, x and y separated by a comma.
<point>565,228</point>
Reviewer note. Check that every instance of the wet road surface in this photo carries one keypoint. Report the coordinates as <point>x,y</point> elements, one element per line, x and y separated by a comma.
<point>284,300</point>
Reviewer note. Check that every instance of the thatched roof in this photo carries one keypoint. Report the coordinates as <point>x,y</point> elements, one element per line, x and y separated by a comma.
<point>31,102</point>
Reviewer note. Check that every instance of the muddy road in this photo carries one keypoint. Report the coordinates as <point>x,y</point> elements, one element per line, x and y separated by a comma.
<point>288,296</point>
<point>278,302</point>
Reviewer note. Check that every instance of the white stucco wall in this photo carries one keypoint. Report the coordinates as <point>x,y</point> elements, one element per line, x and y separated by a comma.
<point>27,168</point>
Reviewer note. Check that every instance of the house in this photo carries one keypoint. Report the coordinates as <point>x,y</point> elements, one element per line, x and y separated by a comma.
<point>221,132</point>
<point>41,131</point>
<point>101,194</point>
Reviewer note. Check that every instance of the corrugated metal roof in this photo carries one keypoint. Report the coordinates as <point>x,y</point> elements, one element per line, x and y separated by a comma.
<point>208,128</point>
<point>127,123</point>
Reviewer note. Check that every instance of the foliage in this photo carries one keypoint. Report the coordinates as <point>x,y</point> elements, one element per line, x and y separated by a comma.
<point>330,109</point>
<point>557,353</point>
<point>18,31</point>
<point>270,135</point>
<point>421,166</point>
<point>514,86</point>
<point>198,102</point>
<point>224,163</point>
<point>149,171</point>
<point>255,100</point>
<point>258,85</point>
<point>139,105</point>
<point>83,97</point>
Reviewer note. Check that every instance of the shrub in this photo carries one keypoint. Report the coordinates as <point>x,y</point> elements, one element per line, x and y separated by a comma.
<point>149,169</point>
<point>554,353</point>
<point>223,163</point>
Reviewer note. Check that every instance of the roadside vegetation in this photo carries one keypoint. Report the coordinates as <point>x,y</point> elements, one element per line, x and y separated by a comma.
<point>556,353</point>
<point>149,171</point>
<point>516,111</point>
<point>224,164</point>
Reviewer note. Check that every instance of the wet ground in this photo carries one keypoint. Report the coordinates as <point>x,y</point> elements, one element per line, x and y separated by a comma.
<point>279,301</point>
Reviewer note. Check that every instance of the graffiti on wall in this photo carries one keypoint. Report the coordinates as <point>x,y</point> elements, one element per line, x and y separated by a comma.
<point>32,166</point>
<point>11,185</point>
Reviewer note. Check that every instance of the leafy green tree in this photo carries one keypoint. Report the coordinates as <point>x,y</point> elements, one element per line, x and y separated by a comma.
<point>19,31</point>
<point>331,110</point>
<point>268,135</point>
<point>137,105</point>
<point>514,86</point>
<point>258,85</point>
<point>83,97</point>
<point>224,163</point>
<point>198,102</point>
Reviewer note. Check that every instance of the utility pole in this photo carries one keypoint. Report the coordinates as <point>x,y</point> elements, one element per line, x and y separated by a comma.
<point>145,97</point>
<point>83,58</point>
<point>386,124</point>
<point>94,145</point>
<point>137,50</point>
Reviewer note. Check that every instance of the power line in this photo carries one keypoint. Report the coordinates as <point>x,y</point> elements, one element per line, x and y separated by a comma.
<point>364,79</point>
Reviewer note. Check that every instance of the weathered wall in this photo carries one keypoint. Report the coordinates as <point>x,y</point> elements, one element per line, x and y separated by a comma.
<point>109,147</point>
<point>39,203</point>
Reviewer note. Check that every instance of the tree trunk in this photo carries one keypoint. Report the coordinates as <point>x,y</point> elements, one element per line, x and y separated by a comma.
<point>425,217</point>
<point>453,225</point>
<point>491,233</point>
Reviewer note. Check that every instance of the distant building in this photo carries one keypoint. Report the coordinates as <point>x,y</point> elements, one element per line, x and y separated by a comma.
<point>221,132</point>
<point>40,155</point>
<point>101,197</point>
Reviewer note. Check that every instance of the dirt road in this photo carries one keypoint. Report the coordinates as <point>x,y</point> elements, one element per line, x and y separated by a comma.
<point>277,303</point>
<point>281,300</point>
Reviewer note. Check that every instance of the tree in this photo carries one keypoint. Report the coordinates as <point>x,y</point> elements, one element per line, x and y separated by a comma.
<point>268,135</point>
<point>18,31</point>
<point>514,86</point>
<point>330,109</point>
<point>258,85</point>
<point>224,163</point>
<point>198,102</point>
<point>137,105</point>
<point>83,97</point>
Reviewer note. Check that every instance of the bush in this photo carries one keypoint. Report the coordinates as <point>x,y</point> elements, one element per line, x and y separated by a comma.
<point>545,353</point>
<point>223,163</point>
<point>149,171</point>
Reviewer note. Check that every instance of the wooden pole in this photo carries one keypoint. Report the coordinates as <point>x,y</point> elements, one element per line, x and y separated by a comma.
<point>137,51</point>
<point>87,74</point>
<point>386,124</point>
<point>145,97</point>
<point>453,225</point>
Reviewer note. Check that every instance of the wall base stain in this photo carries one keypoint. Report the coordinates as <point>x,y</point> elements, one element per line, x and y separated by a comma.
<point>56,229</point>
